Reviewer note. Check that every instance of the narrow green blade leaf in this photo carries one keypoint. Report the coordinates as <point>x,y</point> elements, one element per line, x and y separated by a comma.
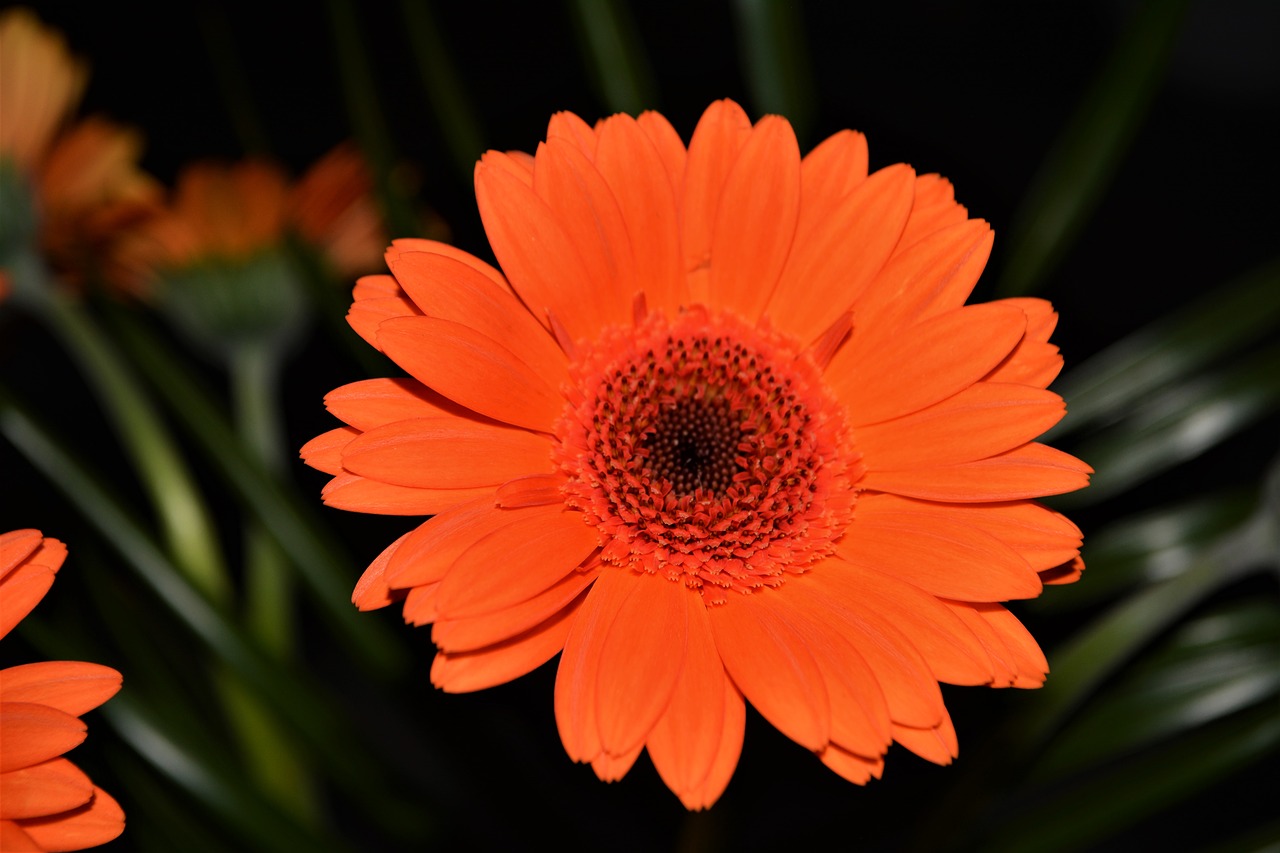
<point>775,60</point>
<point>606,33</point>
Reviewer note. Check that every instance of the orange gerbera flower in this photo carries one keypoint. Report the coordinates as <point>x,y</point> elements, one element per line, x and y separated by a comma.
<point>85,181</point>
<point>724,429</point>
<point>332,208</point>
<point>46,802</point>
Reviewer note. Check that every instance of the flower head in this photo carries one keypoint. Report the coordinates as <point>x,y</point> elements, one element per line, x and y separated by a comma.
<point>48,803</point>
<point>69,190</point>
<point>722,429</point>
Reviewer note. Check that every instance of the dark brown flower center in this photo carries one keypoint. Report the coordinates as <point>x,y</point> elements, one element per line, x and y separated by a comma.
<point>693,444</point>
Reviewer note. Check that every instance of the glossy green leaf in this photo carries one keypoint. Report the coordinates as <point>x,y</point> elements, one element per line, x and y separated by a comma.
<point>1225,319</point>
<point>1178,425</point>
<point>1210,668</point>
<point>775,60</point>
<point>1075,175</point>
<point>614,54</point>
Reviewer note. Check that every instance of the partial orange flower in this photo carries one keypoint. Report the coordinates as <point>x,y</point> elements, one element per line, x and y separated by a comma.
<point>722,429</point>
<point>46,802</point>
<point>84,180</point>
<point>333,209</point>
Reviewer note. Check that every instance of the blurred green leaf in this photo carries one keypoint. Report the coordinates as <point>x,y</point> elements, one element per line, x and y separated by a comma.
<point>1211,667</point>
<point>1103,389</point>
<point>1079,168</point>
<point>1178,424</point>
<point>445,91</point>
<point>1146,548</point>
<point>318,556</point>
<point>606,33</point>
<point>361,95</point>
<point>775,60</point>
<point>1084,813</point>
<point>232,81</point>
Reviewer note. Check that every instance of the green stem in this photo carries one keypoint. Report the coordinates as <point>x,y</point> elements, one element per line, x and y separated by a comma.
<point>606,33</point>
<point>185,522</point>
<point>775,60</point>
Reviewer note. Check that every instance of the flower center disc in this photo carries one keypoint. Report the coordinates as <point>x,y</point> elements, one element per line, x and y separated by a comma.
<point>706,450</point>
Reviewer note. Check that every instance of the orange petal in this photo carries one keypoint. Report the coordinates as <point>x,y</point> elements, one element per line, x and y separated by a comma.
<point>611,768</point>
<point>359,494</point>
<point>537,254</point>
<point>686,738</point>
<point>374,402</point>
<point>587,210</point>
<point>670,147</point>
<point>91,825</point>
<point>449,289</point>
<point>925,363</point>
<point>35,733</point>
<point>530,490</point>
<point>535,549</point>
<point>1030,471</point>
<point>910,690</point>
<point>473,632</point>
<point>473,369</point>
<point>420,604</point>
<point>980,421</point>
<point>642,655</point>
<point>635,172</point>
<point>418,244</point>
<point>575,701</point>
<point>849,765</point>
<point>719,136</point>
<point>934,208</point>
<point>371,590</point>
<point>937,744</point>
<point>939,556</point>
<point>20,591</point>
<point>1068,572</point>
<point>568,126</point>
<point>324,452</point>
<point>1044,538</point>
<point>493,665</point>
<point>1018,658</point>
<point>836,257</point>
<point>377,298</point>
<point>14,840</point>
<point>829,172</point>
<point>756,219</point>
<point>446,453</point>
<point>1034,361</point>
<point>72,687</point>
<point>428,552</point>
<point>16,546</point>
<point>949,648</point>
<point>763,641</point>
<point>43,789</point>
<point>727,748</point>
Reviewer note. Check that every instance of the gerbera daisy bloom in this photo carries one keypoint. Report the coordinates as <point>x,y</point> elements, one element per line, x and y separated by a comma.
<point>82,184</point>
<point>46,802</point>
<point>333,209</point>
<point>722,429</point>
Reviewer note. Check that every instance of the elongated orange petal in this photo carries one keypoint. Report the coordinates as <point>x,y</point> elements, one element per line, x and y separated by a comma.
<point>937,743</point>
<point>446,453</point>
<point>464,672</point>
<point>43,789</point>
<point>635,172</point>
<point>766,653</point>
<point>756,219</point>
<point>934,208</point>
<point>35,733</point>
<point>642,655</point>
<point>91,825</point>
<point>360,494</point>
<point>568,126</point>
<point>728,750</point>
<point>20,591</point>
<point>670,148</point>
<point>530,490</point>
<point>428,551</point>
<point>1030,471</point>
<point>1020,663</point>
<point>517,561</point>
<point>719,136</point>
<point>472,369</point>
<point>611,768</point>
<point>449,289</point>
<point>420,604</point>
<point>69,686</point>
<point>939,556</point>
<point>377,298</point>
<point>324,452</point>
<point>1034,361</point>
<point>840,255</point>
<point>848,765</point>
<point>373,402</point>
<point>586,208</point>
<point>372,591</point>
<point>982,420</point>
<point>16,546</point>
<point>14,840</point>
<point>829,172</point>
<point>418,244</point>
<point>469,633</point>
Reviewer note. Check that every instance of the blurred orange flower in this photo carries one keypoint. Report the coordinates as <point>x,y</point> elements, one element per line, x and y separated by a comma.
<point>334,210</point>
<point>722,428</point>
<point>46,802</point>
<point>84,180</point>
